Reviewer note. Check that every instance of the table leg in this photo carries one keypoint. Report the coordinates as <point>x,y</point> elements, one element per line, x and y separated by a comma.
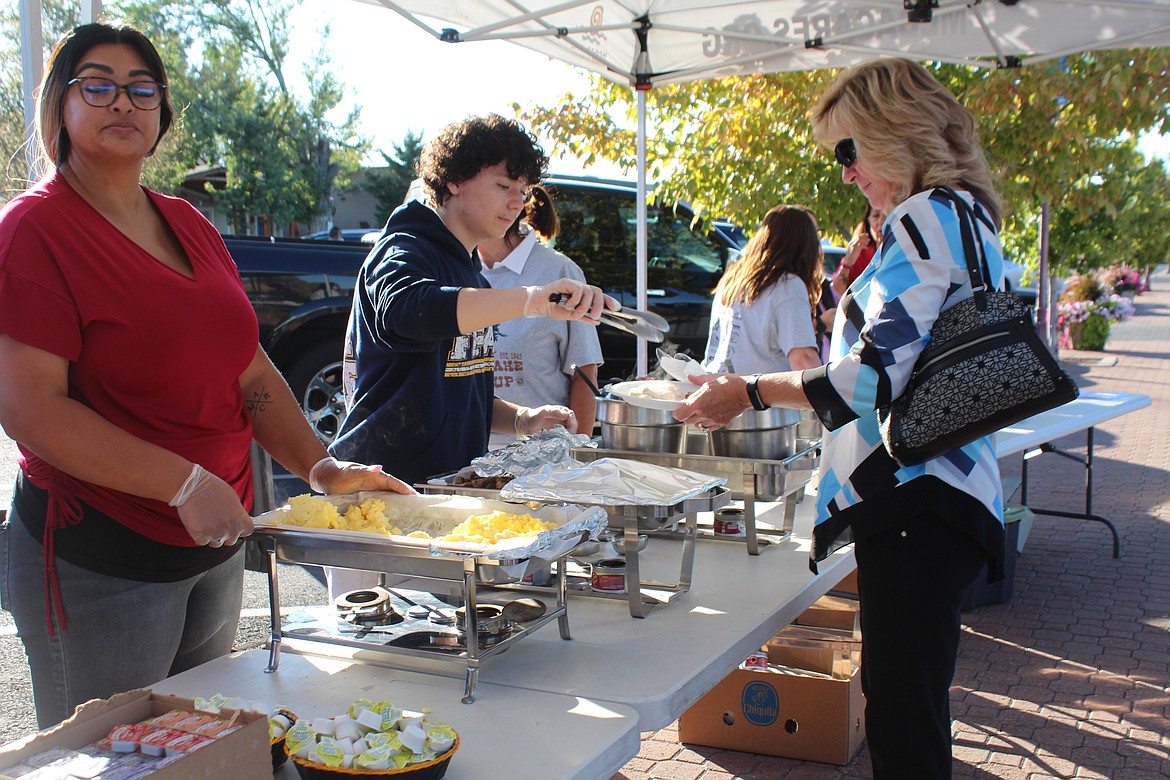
<point>274,608</point>
<point>1087,461</point>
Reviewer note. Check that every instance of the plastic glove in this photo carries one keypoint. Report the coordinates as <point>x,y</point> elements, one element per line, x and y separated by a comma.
<point>210,510</point>
<point>335,477</point>
<point>582,301</point>
<point>529,420</point>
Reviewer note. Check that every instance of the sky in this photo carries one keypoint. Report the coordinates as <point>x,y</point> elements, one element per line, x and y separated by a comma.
<point>405,80</point>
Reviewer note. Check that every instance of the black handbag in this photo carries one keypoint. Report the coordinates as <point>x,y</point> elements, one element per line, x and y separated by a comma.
<point>983,369</point>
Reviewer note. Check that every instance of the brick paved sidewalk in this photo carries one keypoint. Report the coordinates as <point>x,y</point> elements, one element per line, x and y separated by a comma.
<point>1070,678</point>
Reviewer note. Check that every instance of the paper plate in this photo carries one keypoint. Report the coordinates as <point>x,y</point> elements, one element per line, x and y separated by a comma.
<point>626,390</point>
<point>681,367</point>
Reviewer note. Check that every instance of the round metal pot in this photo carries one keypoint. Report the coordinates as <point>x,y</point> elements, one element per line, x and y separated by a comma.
<point>766,435</point>
<point>618,412</point>
<point>490,624</point>
<point>638,428</point>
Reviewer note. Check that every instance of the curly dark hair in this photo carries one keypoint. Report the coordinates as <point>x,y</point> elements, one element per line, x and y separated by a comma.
<point>463,149</point>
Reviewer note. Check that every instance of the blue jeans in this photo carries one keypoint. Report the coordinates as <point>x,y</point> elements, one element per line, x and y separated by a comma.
<point>122,634</point>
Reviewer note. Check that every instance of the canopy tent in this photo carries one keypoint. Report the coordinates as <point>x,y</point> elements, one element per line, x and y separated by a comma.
<point>643,43</point>
<point>646,42</point>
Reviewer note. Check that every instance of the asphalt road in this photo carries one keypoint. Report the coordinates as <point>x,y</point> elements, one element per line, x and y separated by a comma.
<point>300,586</point>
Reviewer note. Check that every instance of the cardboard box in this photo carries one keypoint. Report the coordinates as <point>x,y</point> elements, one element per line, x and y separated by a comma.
<point>826,651</point>
<point>848,584</point>
<point>243,754</point>
<point>841,613</point>
<point>780,712</point>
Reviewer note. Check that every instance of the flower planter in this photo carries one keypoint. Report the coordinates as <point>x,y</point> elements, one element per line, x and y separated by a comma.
<point>1091,334</point>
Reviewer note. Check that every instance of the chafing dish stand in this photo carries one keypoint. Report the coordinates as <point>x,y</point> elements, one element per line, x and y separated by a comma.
<point>748,479</point>
<point>631,519</point>
<point>288,545</point>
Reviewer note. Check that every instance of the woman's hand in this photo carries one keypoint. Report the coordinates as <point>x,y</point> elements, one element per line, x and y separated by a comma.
<point>529,420</point>
<point>210,510</point>
<point>853,250</point>
<point>722,398</point>
<point>337,477</point>
<point>568,299</point>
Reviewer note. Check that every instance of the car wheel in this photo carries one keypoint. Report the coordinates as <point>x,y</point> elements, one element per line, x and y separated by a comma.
<point>315,379</point>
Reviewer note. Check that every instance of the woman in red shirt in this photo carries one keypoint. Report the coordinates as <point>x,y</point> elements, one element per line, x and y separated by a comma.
<point>867,239</point>
<point>132,379</point>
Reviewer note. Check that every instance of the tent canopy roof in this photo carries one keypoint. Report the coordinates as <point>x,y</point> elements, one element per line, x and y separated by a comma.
<point>663,41</point>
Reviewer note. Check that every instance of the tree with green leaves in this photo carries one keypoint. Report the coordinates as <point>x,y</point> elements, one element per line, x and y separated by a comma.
<point>285,155</point>
<point>737,146</point>
<point>389,185</point>
<point>292,158</point>
<point>1131,226</point>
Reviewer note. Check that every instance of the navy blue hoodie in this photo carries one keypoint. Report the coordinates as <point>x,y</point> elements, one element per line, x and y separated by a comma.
<point>420,392</point>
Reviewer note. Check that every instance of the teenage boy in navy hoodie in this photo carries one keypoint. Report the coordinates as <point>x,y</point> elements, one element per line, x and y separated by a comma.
<point>418,356</point>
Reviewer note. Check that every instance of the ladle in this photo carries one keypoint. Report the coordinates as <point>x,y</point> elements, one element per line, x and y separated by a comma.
<point>588,382</point>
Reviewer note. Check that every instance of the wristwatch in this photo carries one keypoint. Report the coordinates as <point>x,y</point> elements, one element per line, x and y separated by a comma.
<point>753,392</point>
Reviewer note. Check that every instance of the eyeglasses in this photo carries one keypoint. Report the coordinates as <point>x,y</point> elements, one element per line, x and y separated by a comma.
<point>100,92</point>
<point>846,152</point>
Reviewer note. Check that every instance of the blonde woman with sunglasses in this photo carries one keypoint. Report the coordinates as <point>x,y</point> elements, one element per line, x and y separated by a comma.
<point>921,533</point>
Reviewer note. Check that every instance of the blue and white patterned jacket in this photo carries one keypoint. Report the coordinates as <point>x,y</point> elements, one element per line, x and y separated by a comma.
<point>882,326</point>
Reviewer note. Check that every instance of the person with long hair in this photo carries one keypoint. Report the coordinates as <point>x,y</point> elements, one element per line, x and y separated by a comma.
<point>762,315</point>
<point>535,358</point>
<point>865,243</point>
<point>133,381</point>
<point>921,533</point>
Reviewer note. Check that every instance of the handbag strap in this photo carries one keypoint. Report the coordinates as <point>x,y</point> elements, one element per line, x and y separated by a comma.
<point>974,252</point>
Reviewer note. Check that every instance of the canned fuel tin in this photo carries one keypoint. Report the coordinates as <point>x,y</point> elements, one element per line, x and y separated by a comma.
<point>729,522</point>
<point>609,576</point>
<point>756,661</point>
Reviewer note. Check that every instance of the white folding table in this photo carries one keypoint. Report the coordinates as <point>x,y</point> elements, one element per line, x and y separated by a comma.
<point>511,733</point>
<point>1036,436</point>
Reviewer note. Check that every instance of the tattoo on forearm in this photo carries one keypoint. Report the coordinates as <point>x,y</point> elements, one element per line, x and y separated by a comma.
<point>258,402</point>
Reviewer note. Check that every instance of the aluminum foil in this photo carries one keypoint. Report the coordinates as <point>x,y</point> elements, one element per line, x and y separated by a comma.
<point>612,482</point>
<point>542,451</point>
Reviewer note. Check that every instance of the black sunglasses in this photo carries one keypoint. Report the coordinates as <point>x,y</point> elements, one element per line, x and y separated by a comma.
<point>846,152</point>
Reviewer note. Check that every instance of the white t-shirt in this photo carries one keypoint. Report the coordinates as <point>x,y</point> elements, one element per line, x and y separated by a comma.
<point>535,357</point>
<point>757,338</point>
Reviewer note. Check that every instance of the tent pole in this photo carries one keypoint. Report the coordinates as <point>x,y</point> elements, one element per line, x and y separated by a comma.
<point>643,361</point>
<point>32,44</point>
<point>1044,313</point>
<point>91,11</point>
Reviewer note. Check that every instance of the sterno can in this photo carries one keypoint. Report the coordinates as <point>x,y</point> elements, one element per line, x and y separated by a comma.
<point>609,575</point>
<point>756,661</point>
<point>729,522</point>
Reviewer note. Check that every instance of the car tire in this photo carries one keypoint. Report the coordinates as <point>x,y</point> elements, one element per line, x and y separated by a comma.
<point>315,379</point>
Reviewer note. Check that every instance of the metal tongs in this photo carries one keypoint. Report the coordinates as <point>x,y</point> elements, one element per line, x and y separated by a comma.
<point>644,324</point>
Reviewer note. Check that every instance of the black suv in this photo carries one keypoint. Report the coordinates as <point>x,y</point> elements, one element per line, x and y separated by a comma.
<point>302,290</point>
<point>685,258</point>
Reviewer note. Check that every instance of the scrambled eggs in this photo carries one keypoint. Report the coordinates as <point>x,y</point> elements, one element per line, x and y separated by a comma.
<point>315,512</point>
<point>489,529</point>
